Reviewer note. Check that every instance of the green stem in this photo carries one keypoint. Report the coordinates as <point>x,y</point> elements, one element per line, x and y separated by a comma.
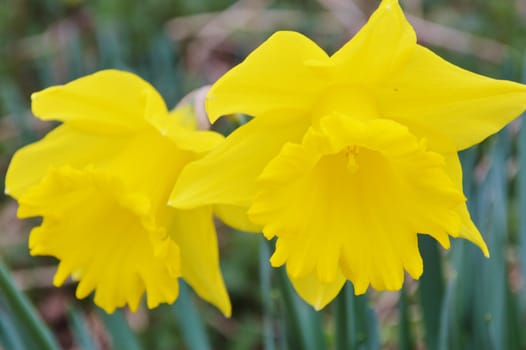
<point>341,321</point>
<point>292,315</point>
<point>192,326</point>
<point>431,290</point>
<point>404,322</point>
<point>266,290</point>
<point>23,310</point>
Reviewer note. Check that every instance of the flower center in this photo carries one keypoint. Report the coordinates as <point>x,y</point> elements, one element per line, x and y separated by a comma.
<point>353,164</point>
<point>350,153</point>
<point>355,102</point>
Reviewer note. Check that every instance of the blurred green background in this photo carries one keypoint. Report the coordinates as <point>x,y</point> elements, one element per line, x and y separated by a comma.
<point>463,301</point>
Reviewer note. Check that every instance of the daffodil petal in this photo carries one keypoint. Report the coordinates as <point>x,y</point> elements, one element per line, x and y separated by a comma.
<point>119,154</point>
<point>100,130</point>
<point>176,126</point>
<point>468,230</point>
<point>446,104</point>
<point>236,217</point>
<point>63,145</point>
<point>194,232</point>
<point>190,140</point>
<point>185,116</point>
<point>353,197</point>
<point>195,141</point>
<point>379,48</point>
<point>316,293</point>
<point>106,244</point>
<point>282,73</point>
<point>227,174</point>
<point>109,101</point>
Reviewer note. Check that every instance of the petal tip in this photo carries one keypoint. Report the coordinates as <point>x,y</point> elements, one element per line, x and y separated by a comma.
<point>211,112</point>
<point>34,96</point>
<point>107,309</point>
<point>319,305</point>
<point>388,4</point>
<point>360,288</point>
<point>226,310</point>
<point>485,250</point>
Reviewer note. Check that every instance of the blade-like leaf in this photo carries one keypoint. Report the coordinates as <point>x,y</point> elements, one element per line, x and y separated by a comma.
<point>189,320</point>
<point>363,325</point>
<point>80,330</point>
<point>405,336</point>
<point>431,290</point>
<point>10,338</point>
<point>266,295</point>
<point>122,337</point>
<point>24,312</point>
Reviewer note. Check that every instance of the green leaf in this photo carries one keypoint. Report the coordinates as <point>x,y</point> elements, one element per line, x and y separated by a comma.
<point>521,182</point>
<point>302,323</point>
<point>24,312</point>
<point>189,321</point>
<point>406,340</point>
<point>515,327</point>
<point>122,337</point>
<point>431,290</point>
<point>486,323</point>
<point>265,286</point>
<point>291,313</point>
<point>341,321</point>
<point>494,281</point>
<point>362,321</point>
<point>458,319</point>
<point>10,338</point>
<point>79,329</point>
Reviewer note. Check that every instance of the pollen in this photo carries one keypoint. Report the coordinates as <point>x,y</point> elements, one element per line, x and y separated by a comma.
<point>350,153</point>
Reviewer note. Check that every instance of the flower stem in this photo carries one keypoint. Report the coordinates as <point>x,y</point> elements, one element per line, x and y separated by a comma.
<point>341,320</point>
<point>266,295</point>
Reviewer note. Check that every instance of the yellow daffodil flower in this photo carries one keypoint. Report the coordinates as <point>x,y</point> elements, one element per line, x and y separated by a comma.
<point>101,181</point>
<point>349,156</point>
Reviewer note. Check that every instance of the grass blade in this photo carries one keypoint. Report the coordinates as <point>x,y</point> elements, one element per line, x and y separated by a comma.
<point>363,324</point>
<point>190,323</point>
<point>341,321</point>
<point>295,338</point>
<point>431,290</point>
<point>25,313</point>
<point>496,274</point>
<point>122,337</point>
<point>266,295</point>
<point>406,340</point>
<point>10,338</point>
<point>521,182</point>
<point>81,333</point>
<point>302,323</point>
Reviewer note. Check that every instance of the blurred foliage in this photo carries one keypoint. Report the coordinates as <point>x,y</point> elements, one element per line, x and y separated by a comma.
<point>463,301</point>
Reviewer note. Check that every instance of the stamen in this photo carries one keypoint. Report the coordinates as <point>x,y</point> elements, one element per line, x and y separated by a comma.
<point>350,153</point>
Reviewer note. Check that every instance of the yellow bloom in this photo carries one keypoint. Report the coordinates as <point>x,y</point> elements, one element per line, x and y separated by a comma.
<point>349,156</point>
<point>101,181</point>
